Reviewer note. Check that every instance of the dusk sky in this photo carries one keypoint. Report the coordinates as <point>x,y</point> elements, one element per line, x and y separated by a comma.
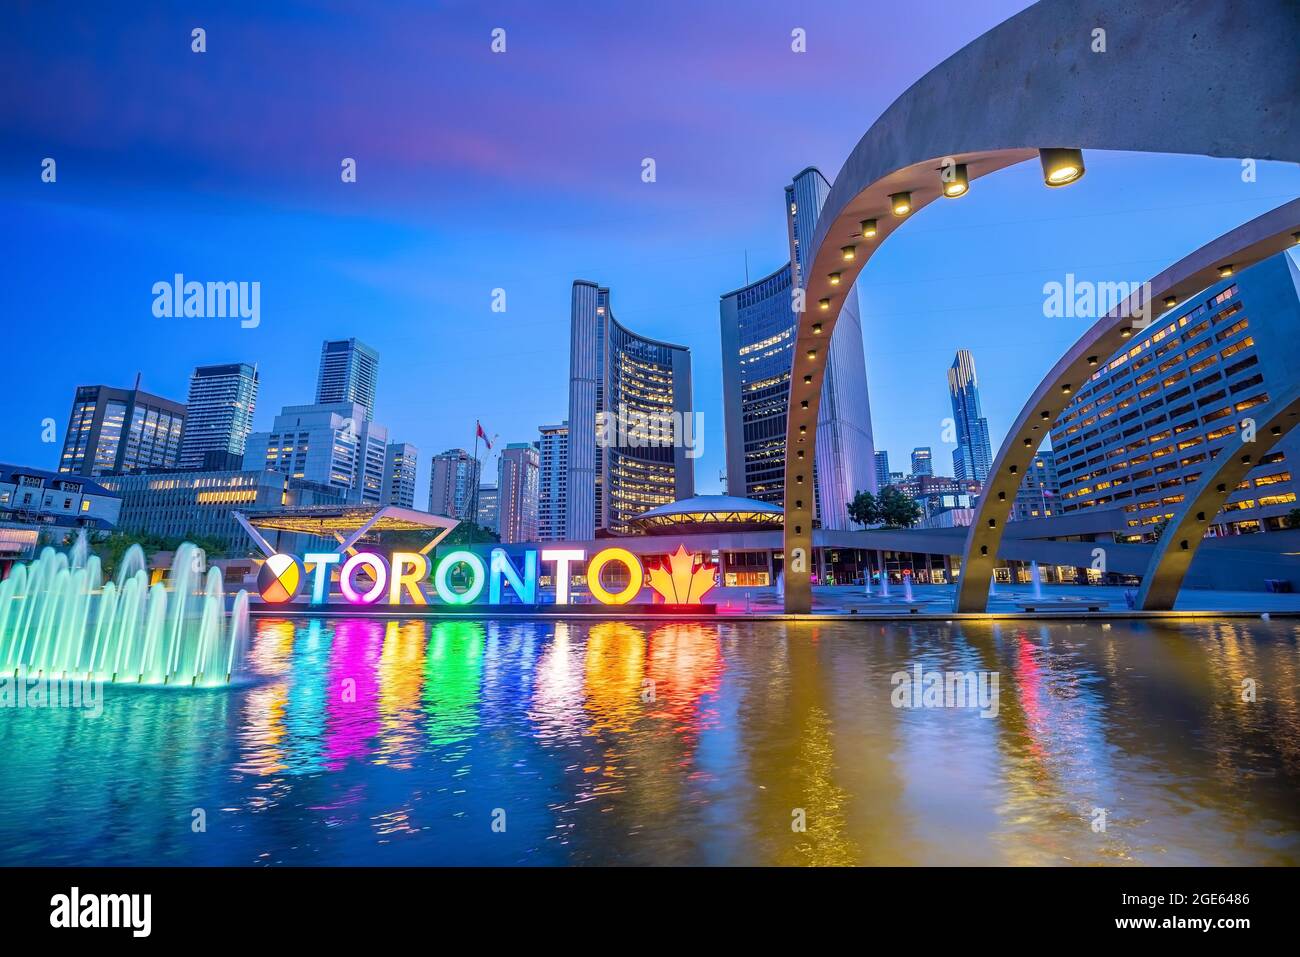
<point>521,171</point>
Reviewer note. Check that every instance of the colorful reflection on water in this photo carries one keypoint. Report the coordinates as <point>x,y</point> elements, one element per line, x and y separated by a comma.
<point>403,742</point>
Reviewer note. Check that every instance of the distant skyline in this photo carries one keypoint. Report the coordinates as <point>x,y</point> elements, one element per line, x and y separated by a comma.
<point>519,171</point>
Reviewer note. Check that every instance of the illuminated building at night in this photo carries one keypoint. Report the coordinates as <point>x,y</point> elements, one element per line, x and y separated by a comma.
<point>517,477</point>
<point>121,430</point>
<point>616,377</point>
<point>218,415</point>
<point>553,465</point>
<point>399,474</point>
<point>1138,434</point>
<point>973,456</point>
<point>453,477</point>
<point>349,372</point>
<point>333,444</point>
<point>757,352</point>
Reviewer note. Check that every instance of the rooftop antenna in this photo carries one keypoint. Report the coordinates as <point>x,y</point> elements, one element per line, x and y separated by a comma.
<point>137,382</point>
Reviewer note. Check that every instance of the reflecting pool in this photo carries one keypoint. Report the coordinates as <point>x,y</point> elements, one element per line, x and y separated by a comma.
<point>506,742</point>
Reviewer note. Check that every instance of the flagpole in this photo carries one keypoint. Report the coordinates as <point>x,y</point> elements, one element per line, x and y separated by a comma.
<point>478,480</point>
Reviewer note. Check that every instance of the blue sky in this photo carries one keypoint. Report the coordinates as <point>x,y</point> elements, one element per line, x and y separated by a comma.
<point>520,171</point>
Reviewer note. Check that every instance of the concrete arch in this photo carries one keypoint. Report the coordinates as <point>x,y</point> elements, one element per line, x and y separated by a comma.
<point>1183,535</point>
<point>1143,94</point>
<point>1244,246</point>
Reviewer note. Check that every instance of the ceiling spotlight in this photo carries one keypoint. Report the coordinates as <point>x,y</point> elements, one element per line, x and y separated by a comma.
<point>955,183</point>
<point>1225,270</point>
<point>869,229</point>
<point>849,253</point>
<point>1061,166</point>
<point>823,304</point>
<point>1171,301</point>
<point>901,203</point>
<point>834,278</point>
<point>817,328</point>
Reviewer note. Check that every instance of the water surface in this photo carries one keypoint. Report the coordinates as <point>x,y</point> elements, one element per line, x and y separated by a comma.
<point>455,742</point>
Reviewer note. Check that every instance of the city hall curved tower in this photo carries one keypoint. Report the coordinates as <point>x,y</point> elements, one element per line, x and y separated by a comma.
<point>629,398</point>
<point>757,356</point>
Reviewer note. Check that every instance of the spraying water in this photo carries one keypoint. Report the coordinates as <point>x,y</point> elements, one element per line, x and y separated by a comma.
<point>884,584</point>
<point>907,588</point>
<point>1037,579</point>
<point>59,619</point>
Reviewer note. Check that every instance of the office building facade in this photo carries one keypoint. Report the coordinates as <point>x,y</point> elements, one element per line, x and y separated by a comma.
<point>453,479</point>
<point>349,372</point>
<point>218,413</point>
<point>1039,491</point>
<point>202,504</point>
<point>333,444</point>
<point>400,463</point>
<point>488,510</point>
<point>757,325</point>
<point>973,456</point>
<point>517,486</point>
<point>553,474</point>
<point>121,430</point>
<point>618,379</point>
<point>922,461</point>
<point>882,469</point>
<point>1143,429</point>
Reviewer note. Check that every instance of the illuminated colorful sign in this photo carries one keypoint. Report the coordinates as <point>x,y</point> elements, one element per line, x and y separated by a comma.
<point>460,577</point>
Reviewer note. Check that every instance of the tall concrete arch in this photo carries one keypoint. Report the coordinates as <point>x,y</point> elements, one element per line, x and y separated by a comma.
<point>1183,535</point>
<point>1042,85</point>
<point>1242,247</point>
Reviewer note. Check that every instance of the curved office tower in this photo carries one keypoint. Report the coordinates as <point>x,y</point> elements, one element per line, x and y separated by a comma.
<point>757,355</point>
<point>629,398</point>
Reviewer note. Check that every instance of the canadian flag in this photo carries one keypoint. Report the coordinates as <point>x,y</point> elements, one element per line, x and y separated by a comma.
<point>481,434</point>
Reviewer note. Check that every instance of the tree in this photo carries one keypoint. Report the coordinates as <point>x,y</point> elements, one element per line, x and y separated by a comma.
<point>864,509</point>
<point>1293,518</point>
<point>897,510</point>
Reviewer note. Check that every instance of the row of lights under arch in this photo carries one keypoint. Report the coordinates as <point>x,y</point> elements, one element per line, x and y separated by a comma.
<point>1061,167</point>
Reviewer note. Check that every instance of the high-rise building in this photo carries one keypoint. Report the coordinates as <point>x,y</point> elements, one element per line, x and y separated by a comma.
<point>517,493</point>
<point>1142,430</point>
<point>922,461</point>
<point>333,444</point>
<point>400,463</point>
<point>489,510</point>
<point>882,469</point>
<point>349,371</point>
<point>218,415</point>
<point>1039,491</point>
<point>453,479</point>
<point>757,354</point>
<point>629,398</point>
<point>121,430</point>
<point>973,456</point>
<point>553,464</point>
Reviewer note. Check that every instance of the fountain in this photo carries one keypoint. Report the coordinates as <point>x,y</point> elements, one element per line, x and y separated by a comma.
<point>58,619</point>
<point>907,588</point>
<point>884,584</point>
<point>1037,579</point>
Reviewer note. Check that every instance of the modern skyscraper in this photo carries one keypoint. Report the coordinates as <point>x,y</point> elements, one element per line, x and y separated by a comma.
<point>400,463</point>
<point>553,459</point>
<point>517,493</point>
<point>757,356</point>
<point>218,416</point>
<point>121,430</point>
<point>882,469</point>
<point>973,457</point>
<point>922,461</point>
<point>453,478</point>
<point>1141,431</point>
<point>349,371</point>
<point>618,383</point>
<point>333,444</point>
<point>489,511</point>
